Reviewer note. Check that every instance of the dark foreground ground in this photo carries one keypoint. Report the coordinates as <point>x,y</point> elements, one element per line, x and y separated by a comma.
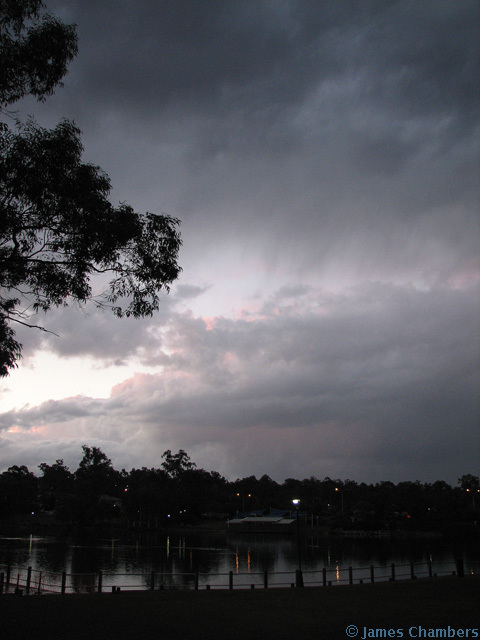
<point>409,609</point>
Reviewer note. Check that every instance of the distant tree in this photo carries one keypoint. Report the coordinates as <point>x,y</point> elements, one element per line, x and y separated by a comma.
<point>55,484</point>
<point>57,227</point>
<point>93,462</point>
<point>56,476</point>
<point>18,491</point>
<point>198,492</point>
<point>148,497</point>
<point>471,485</point>
<point>267,492</point>
<point>292,488</point>
<point>174,464</point>
<point>95,474</point>
<point>94,479</point>
<point>469,481</point>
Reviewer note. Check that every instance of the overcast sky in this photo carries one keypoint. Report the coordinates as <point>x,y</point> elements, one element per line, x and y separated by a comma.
<point>323,157</point>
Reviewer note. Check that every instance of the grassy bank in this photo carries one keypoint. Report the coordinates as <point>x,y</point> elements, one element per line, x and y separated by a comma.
<point>276,613</point>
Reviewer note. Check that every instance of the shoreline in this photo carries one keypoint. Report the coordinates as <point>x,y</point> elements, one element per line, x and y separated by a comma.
<point>56,528</point>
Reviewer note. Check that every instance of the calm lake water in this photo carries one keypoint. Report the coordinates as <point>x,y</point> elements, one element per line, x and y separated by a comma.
<point>129,561</point>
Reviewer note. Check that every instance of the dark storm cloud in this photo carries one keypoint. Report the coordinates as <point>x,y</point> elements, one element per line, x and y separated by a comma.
<point>244,71</point>
<point>320,121</point>
<point>418,56</point>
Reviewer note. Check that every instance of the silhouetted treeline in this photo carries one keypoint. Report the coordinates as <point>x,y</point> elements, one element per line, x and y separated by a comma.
<point>178,493</point>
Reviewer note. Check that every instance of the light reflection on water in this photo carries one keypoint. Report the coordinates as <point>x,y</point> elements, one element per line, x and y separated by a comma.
<point>129,562</point>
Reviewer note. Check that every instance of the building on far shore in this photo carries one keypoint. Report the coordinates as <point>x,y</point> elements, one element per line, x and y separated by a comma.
<point>255,522</point>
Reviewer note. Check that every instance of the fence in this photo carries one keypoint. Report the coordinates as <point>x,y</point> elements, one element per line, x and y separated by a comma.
<point>31,581</point>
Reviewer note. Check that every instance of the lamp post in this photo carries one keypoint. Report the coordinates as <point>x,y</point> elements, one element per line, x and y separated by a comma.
<point>473,492</point>
<point>299,580</point>
<point>249,495</point>
<point>341,495</point>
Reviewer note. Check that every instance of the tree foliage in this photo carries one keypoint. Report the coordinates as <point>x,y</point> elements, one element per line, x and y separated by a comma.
<point>18,491</point>
<point>95,472</point>
<point>57,227</point>
<point>180,493</point>
<point>175,464</point>
<point>469,482</point>
<point>35,50</point>
<point>55,485</point>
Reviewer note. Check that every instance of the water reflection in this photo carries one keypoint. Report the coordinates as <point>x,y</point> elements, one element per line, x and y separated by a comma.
<point>174,560</point>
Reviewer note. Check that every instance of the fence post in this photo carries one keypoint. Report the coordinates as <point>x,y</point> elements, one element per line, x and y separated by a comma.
<point>298,578</point>
<point>460,568</point>
<point>29,578</point>
<point>196,580</point>
<point>7,580</point>
<point>393,573</point>
<point>430,573</point>
<point>372,573</point>
<point>152,581</point>
<point>64,582</point>
<point>350,575</point>
<point>324,577</point>
<point>18,591</point>
<point>100,580</point>
<point>230,580</point>
<point>265,579</point>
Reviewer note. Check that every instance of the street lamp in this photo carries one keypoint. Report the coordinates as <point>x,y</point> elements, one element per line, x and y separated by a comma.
<point>299,581</point>
<point>473,492</point>
<point>249,495</point>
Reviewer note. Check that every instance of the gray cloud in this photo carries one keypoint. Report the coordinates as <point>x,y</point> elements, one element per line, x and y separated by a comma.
<point>348,133</point>
<point>382,372</point>
<point>418,57</point>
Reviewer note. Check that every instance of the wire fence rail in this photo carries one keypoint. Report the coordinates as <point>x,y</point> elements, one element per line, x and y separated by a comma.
<point>28,581</point>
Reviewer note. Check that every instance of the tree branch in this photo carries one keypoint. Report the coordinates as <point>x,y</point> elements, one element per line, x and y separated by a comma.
<point>33,326</point>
